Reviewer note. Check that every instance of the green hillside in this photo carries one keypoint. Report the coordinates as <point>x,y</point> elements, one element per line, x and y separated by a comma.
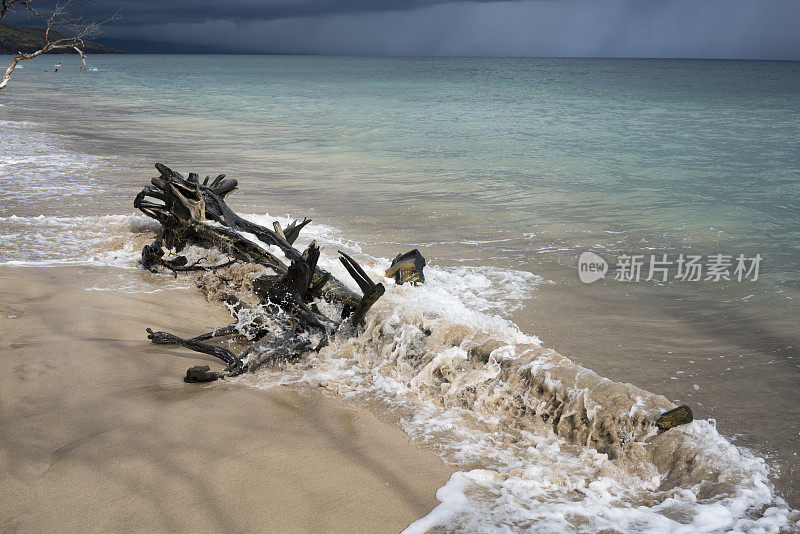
<point>15,39</point>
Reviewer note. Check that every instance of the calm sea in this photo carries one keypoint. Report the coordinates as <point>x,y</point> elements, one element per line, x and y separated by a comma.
<point>511,165</point>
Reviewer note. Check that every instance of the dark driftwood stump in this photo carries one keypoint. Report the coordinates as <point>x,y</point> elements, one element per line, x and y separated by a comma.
<point>187,210</point>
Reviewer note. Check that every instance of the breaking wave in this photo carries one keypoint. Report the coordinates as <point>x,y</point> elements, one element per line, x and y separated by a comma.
<point>540,443</point>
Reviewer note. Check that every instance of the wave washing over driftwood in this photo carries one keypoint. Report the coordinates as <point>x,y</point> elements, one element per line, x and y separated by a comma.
<point>552,445</point>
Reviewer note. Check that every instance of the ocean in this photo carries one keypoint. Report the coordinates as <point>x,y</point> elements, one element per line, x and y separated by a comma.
<point>502,172</point>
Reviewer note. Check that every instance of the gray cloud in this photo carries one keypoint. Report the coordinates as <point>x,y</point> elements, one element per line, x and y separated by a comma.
<point>750,29</point>
<point>142,12</point>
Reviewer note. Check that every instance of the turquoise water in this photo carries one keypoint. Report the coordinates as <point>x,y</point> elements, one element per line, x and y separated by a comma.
<point>520,164</point>
<point>699,152</point>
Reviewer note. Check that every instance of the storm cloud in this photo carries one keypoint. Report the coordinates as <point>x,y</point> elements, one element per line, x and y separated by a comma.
<point>747,29</point>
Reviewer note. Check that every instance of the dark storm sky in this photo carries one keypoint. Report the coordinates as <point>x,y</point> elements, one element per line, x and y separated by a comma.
<point>753,29</point>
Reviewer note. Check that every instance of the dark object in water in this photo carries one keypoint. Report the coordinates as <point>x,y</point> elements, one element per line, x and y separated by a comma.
<point>679,416</point>
<point>200,373</point>
<point>408,268</point>
<point>194,212</point>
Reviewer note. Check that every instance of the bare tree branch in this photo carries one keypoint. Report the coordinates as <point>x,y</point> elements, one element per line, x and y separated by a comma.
<point>60,23</point>
<point>6,5</point>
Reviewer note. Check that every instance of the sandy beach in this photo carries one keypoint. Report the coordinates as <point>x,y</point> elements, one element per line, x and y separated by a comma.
<point>99,433</point>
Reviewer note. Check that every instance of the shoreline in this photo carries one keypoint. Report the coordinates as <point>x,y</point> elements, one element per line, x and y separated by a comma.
<point>102,434</point>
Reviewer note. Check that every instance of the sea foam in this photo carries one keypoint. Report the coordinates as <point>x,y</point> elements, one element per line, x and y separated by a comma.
<point>109,240</point>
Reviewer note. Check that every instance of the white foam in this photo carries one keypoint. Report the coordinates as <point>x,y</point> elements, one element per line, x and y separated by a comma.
<point>553,489</point>
<point>476,288</point>
<point>49,240</point>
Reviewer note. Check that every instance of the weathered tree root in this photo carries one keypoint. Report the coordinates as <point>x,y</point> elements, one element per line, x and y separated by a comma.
<point>153,257</point>
<point>184,206</point>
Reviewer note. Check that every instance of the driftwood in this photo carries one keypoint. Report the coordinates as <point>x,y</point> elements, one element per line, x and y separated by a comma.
<point>677,416</point>
<point>407,268</point>
<point>287,322</point>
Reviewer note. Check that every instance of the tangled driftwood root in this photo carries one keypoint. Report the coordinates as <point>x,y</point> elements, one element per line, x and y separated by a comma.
<point>286,321</point>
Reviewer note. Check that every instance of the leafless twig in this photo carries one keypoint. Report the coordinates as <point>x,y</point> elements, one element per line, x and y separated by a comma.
<point>6,5</point>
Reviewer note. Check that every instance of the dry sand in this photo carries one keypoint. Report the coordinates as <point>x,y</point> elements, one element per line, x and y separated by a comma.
<point>99,433</point>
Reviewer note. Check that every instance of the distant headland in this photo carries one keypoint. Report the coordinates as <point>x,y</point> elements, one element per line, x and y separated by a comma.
<point>14,39</point>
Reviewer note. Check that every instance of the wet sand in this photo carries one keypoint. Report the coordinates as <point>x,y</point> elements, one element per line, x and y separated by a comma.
<point>98,432</point>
